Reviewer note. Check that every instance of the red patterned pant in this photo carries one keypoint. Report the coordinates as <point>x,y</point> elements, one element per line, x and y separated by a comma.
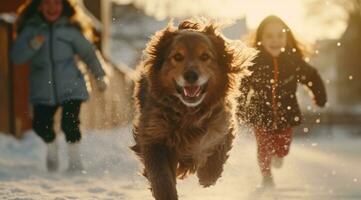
<point>271,144</point>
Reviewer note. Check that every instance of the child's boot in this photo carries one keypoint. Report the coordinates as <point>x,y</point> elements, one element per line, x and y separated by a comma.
<point>268,182</point>
<point>277,161</point>
<point>52,159</point>
<point>75,163</point>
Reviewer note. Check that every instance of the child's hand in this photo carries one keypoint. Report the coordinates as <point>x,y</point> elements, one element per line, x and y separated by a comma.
<point>102,83</point>
<point>37,42</point>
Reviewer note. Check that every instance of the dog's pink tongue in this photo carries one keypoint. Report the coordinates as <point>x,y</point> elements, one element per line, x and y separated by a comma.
<point>191,91</point>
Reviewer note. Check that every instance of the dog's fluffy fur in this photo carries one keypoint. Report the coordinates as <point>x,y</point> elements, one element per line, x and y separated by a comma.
<point>185,123</point>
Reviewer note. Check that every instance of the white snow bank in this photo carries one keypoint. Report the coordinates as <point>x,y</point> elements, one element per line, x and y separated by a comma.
<point>317,168</point>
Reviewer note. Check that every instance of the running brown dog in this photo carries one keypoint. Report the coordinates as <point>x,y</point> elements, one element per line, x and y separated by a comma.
<point>185,100</point>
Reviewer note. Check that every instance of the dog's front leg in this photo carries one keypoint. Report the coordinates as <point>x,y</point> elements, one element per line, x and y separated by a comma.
<point>213,168</point>
<point>160,171</point>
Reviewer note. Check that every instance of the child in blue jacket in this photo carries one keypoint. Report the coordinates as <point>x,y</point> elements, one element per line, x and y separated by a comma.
<point>49,37</point>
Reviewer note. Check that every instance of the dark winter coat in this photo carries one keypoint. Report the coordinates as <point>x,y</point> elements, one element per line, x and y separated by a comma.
<point>268,99</point>
<point>54,74</point>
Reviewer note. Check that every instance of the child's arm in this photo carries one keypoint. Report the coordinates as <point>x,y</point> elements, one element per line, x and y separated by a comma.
<point>86,52</point>
<point>309,76</point>
<point>25,46</point>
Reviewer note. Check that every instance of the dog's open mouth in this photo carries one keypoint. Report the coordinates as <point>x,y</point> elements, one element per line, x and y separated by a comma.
<point>191,95</point>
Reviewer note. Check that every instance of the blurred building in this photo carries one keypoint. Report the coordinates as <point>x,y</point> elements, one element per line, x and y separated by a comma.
<point>14,107</point>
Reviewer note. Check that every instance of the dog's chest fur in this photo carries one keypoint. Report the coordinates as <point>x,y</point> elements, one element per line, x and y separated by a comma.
<point>196,136</point>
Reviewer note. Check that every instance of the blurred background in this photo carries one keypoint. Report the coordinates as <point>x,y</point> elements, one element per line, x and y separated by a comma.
<point>331,27</point>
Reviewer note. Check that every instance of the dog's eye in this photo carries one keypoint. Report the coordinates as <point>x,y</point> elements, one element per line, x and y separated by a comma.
<point>205,57</point>
<point>178,57</point>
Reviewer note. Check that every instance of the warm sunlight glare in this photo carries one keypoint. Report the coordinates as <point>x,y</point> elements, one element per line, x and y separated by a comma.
<point>294,12</point>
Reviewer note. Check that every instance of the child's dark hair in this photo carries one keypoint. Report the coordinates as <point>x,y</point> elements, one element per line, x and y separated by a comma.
<point>30,8</point>
<point>292,44</point>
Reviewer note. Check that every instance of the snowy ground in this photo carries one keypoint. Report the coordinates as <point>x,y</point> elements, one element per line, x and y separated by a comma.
<point>318,168</point>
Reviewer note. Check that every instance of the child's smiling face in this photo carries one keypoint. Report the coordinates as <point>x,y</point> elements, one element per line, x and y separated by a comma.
<point>51,9</point>
<point>274,38</point>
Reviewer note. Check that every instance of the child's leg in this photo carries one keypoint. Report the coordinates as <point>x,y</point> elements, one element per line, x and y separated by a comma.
<point>264,151</point>
<point>70,125</point>
<point>70,121</point>
<point>43,122</point>
<point>43,126</point>
<point>283,141</point>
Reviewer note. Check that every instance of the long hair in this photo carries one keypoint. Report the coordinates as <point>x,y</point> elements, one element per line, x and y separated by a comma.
<point>71,10</point>
<point>293,45</point>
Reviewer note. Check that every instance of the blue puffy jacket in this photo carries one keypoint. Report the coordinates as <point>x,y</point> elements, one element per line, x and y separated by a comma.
<point>54,74</point>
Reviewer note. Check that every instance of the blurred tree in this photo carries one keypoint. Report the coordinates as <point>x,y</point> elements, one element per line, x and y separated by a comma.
<point>349,58</point>
<point>349,51</point>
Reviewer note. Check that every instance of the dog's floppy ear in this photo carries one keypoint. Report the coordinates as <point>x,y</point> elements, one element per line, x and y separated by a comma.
<point>224,57</point>
<point>233,53</point>
<point>234,56</point>
<point>158,47</point>
<point>242,55</point>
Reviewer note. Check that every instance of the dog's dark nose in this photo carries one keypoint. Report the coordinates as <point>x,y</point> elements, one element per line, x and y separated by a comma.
<point>190,76</point>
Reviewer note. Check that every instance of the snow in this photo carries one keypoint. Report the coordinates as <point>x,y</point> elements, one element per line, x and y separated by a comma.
<point>320,166</point>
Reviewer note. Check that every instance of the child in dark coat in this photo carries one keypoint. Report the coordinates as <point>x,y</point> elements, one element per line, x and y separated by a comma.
<point>50,37</point>
<point>268,102</point>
